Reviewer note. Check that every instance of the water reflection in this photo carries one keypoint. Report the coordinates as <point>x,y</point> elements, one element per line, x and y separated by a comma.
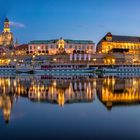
<point>61,91</point>
<point>115,91</point>
<point>110,91</point>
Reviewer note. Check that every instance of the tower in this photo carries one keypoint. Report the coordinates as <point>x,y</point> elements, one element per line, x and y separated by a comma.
<point>6,37</point>
<point>6,26</point>
<point>61,45</point>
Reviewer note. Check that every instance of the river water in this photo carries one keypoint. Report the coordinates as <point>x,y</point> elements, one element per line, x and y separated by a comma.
<point>69,107</point>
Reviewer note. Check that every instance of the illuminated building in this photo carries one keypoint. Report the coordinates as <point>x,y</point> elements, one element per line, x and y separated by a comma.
<point>118,44</point>
<point>57,46</point>
<point>6,37</point>
<point>21,49</point>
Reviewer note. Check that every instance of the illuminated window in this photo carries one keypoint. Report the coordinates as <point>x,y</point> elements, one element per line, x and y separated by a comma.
<point>61,44</point>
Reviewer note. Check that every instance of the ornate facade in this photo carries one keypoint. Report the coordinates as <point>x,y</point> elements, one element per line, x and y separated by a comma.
<point>57,46</point>
<point>119,44</point>
<point>6,37</point>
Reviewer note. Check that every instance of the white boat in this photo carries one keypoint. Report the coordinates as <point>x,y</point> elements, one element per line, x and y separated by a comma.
<point>122,75</point>
<point>109,70</point>
<point>123,69</point>
<point>24,68</point>
<point>63,68</point>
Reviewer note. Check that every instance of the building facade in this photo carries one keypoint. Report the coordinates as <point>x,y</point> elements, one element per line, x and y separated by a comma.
<point>118,44</point>
<point>6,37</point>
<point>21,49</point>
<point>57,46</point>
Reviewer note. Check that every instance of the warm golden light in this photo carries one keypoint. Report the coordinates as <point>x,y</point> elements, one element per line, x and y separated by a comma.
<point>61,44</point>
<point>54,59</point>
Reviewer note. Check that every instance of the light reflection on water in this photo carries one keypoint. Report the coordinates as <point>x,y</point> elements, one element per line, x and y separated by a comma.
<point>80,99</point>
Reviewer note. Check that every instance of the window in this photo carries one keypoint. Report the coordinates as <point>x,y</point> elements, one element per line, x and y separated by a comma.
<point>51,46</point>
<point>83,47</point>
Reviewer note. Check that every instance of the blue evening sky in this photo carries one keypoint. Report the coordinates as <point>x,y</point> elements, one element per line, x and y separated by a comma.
<point>71,19</point>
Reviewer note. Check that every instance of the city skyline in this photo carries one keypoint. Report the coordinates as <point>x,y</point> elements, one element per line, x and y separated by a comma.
<point>79,19</point>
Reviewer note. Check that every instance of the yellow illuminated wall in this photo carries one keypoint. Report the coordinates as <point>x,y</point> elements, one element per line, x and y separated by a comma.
<point>6,27</point>
<point>61,44</point>
<point>106,46</point>
<point>6,37</point>
<point>5,61</point>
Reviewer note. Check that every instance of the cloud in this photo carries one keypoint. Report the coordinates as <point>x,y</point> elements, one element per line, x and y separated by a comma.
<point>17,24</point>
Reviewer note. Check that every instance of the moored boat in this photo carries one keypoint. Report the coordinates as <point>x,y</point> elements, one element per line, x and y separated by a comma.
<point>24,68</point>
<point>63,68</point>
<point>122,69</point>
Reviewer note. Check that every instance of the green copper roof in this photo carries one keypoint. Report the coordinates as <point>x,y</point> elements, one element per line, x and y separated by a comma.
<point>42,41</point>
<point>66,40</point>
<point>79,41</point>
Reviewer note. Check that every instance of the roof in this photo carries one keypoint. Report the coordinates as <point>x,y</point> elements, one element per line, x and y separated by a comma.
<point>66,40</point>
<point>119,38</point>
<point>126,38</point>
<point>79,41</point>
<point>23,46</point>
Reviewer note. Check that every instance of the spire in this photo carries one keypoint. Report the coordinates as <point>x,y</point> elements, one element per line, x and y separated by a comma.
<point>16,41</point>
<point>6,19</point>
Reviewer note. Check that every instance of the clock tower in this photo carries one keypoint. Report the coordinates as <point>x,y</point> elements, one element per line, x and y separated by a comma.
<point>6,37</point>
<point>6,26</point>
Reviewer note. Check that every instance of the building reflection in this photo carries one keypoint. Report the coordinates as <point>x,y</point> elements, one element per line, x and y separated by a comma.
<point>114,91</point>
<point>6,105</point>
<point>59,91</point>
<point>62,91</point>
<point>110,91</point>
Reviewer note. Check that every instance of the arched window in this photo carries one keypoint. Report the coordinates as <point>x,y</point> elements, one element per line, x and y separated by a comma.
<point>74,51</point>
